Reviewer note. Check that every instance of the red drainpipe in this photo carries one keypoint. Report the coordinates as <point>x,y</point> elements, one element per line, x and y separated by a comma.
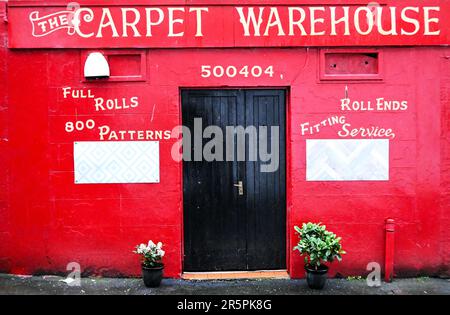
<point>389,255</point>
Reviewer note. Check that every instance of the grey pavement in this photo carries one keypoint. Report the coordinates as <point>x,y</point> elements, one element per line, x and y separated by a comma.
<point>44,285</point>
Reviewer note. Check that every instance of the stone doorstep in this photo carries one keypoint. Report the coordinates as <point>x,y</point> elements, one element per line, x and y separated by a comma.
<point>233,275</point>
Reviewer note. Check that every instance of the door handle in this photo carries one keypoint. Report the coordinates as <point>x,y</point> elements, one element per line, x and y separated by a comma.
<point>240,186</point>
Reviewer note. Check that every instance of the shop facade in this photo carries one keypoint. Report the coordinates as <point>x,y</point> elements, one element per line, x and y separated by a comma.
<point>357,97</point>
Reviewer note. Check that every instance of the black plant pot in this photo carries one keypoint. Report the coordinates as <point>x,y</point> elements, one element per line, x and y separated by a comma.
<point>152,276</point>
<point>316,278</point>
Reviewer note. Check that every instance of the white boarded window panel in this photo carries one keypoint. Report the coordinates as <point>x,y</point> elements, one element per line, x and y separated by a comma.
<point>116,162</point>
<point>347,160</point>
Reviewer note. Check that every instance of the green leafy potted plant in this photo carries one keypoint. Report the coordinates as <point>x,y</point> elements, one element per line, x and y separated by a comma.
<point>151,261</point>
<point>318,246</point>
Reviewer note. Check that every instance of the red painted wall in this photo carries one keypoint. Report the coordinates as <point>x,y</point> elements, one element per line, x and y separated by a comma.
<point>46,221</point>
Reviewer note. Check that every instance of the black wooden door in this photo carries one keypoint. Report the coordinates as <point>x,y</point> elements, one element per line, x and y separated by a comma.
<point>224,228</point>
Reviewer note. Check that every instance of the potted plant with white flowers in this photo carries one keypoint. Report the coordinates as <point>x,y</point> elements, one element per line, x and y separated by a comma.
<point>319,246</point>
<point>151,261</point>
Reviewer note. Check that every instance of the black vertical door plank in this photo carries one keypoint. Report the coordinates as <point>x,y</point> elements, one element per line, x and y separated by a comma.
<point>240,176</point>
<point>249,182</point>
<point>252,182</point>
<point>280,197</point>
<point>187,193</point>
